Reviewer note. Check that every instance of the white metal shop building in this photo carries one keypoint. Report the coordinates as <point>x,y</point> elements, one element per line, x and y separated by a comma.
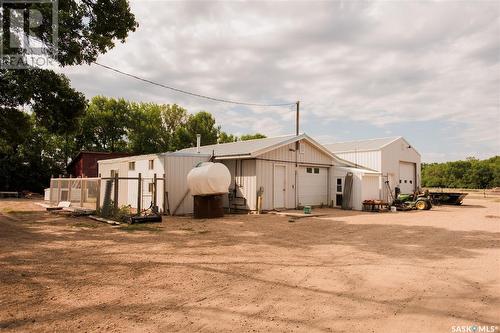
<point>286,172</point>
<point>395,158</point>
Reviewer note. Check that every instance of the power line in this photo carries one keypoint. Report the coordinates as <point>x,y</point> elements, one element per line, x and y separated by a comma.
<point>222,100</point>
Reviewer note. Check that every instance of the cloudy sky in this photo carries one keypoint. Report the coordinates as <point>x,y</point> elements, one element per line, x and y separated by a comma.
<point>429,71</point>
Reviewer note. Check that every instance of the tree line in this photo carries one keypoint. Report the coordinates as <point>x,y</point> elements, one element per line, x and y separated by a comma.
<point>31,152</point>
<point>471,173</point>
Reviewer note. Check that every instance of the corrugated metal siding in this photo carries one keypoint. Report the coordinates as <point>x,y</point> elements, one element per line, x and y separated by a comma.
<point>286,155</point>
<point>176,170</point>
<point>370,187</point>
<point>243,179</point>
<point>311,154</point>
<point>367,159</point>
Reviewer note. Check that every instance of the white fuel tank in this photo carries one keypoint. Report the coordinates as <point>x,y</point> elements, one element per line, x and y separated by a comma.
<point>209,179</point>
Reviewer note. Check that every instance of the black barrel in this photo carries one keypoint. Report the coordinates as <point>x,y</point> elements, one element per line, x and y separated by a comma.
<point>208,206</point>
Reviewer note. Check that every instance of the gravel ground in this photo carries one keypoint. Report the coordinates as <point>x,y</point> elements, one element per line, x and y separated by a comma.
<point>424,271</point>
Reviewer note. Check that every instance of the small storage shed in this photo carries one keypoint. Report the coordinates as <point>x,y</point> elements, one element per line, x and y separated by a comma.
<point>395,158</point>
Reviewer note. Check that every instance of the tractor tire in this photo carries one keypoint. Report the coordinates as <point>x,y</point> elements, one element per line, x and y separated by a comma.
<point>420,205</point>
<point>428,205</point>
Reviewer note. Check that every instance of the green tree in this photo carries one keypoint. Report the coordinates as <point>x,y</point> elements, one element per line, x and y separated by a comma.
<point>104,126</point>
<point>246,137</point>
<point>200,123</point>
<point>471,173</point>
<point>86,28</point>
<point>226,138</point>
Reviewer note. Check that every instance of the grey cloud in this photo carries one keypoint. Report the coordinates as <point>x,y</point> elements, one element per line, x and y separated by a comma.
<point>384,62</point>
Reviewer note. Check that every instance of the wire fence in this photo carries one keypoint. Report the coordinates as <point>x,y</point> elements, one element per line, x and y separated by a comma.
<point>82,192</point>
<point>135,193</point>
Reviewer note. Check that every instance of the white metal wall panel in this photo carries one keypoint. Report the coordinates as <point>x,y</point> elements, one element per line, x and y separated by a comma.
<point>367,159</point>
<point>176,170</point>
<point>370,187</point>
<point>392,155</point>
<point>310,155</point>
<point>243,178</point>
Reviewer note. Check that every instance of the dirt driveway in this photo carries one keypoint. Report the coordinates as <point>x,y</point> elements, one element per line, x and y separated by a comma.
<point>347,271</point>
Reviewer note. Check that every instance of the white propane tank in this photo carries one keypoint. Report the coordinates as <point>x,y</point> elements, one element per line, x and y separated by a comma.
<point>209,179</point>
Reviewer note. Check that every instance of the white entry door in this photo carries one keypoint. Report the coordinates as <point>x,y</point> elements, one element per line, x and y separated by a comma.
<point>279,186</point>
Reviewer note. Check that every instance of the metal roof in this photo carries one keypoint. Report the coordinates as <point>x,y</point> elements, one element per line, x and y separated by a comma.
<point>361,145</point>
<point>252,148</point>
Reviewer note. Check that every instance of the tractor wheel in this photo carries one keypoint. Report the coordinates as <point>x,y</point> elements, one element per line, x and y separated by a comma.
<point>421,205</point>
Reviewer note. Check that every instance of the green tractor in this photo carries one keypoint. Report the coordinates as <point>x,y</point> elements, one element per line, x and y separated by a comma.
<point>409,201</point>
<point>412,201</point>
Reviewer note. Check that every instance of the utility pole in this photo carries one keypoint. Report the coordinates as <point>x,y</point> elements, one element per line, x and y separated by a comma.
<point>297,120</point>
<point>297,147</point>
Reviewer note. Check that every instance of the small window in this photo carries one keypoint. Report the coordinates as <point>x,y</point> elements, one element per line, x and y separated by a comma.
<point>151,187</point>
<point>309,170</point>
<point>316,170</point>
<point>339,185</point>
<point>151,164</point>
<point>131,165</point>
<point>400,181</point>
<point>114,173</point>
<point>302,148</point>
<point>411,182</point>
<point>406,181</point>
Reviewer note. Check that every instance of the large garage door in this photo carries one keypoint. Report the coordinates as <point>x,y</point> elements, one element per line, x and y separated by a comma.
<point>313,186</point>
<point>407,177</point>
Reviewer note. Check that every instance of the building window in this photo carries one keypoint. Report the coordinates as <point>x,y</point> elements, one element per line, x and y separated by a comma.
<point>131,166</point>
<point>151,164</point>
<point>411,182</point>
<point>302,148</point>
<point>339,185</point>
<point>309,170</point>
<point>316,170</point>
<point>151,187</point>
<point>113,173</point>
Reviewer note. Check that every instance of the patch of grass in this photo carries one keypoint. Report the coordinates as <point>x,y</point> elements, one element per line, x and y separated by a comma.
<point>139,227</point>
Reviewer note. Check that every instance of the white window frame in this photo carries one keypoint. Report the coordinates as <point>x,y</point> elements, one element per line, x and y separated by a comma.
<point>131,166</point>
<point>151,164</point>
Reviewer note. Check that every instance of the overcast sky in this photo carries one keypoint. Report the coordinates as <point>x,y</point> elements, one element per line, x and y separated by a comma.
<point>428,71</point>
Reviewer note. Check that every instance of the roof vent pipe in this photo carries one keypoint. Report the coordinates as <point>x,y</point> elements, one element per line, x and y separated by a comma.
<point>198,143</point>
